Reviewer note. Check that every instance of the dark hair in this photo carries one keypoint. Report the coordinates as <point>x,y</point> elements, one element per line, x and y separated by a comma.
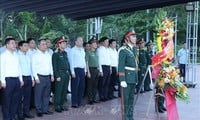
<point>85,43</point>
<point>92,41</point>
<point>39,41</point>
<point>7,40</point>
<point>103,39</point>
<point>29,40</point>
<point>21,43</point>
<point>111,41</point>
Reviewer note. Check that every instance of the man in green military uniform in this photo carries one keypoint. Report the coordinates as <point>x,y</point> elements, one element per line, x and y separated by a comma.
<point>149,54</point>
<point>92,71</point>
<point>142,66</point>
<point>127,68</point>
<point>61,71</point>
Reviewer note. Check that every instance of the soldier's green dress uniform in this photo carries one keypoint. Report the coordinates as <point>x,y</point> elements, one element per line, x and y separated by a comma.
<point>142,68</point>
<point>61,69</point>
<point>127,69</point>
<point>149,54</point>
<point>92,83</point>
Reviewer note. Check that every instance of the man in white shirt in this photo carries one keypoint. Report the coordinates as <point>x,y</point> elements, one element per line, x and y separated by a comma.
<point>43,74</point>
<point>25,64</point>
<point>11,79</point>
<point>182,60</point>
<point>114,64</point>
<point>104,68</point>
<point>49,45</point>
<point>31,51</point>
<point>78,70</point>
<point>32,46</point>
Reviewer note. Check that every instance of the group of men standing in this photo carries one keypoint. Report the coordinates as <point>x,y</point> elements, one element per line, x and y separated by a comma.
<point>98,68</point>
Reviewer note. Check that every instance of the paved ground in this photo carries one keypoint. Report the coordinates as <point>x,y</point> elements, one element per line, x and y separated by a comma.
<point>111,110</point>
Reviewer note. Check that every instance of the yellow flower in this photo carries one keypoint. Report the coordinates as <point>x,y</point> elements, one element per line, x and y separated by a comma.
<point>184,88</point>
<point>177,71</point>
<point>161,83</point>
<point>171,82</point>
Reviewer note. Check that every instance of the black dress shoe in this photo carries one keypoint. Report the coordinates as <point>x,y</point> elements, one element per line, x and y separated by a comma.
<point>20,118</point>
<point>90,103</point>
<point>95,101</point>
<point>102,99</point>
<point>39,114</point>
<point>74,106</point>
<point>58,110</point>
<point>64,109</point>
<point>28,116</point>
<point>164,109</point>
<point>48,113</point>
<point>142,91</point>
<point>114,96</point>
<point>161,111</point>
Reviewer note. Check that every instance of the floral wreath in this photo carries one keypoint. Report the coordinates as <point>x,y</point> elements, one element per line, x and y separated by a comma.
<point>165,74</point>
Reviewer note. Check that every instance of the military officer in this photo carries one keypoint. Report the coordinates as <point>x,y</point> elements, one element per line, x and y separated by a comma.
<point>127,70</point>
<point>61,71</point>
<point>92,71</point>
<point>149,54</point>
<point>142,65</point>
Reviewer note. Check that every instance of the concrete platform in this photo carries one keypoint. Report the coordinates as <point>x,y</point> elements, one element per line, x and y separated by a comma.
<point>111,110</point>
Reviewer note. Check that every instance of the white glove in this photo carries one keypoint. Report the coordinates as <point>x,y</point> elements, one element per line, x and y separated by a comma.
<point>123,84</point>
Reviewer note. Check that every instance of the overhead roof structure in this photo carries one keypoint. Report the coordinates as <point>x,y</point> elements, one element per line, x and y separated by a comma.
<point>83,9</point>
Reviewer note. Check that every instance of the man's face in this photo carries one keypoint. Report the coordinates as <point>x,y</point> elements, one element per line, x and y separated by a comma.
<point>93,45</point>
<point>79,42</point>
<point>87,47</point>
<point>42,45</point>
<point>11,45</point>
<point>106,43</point>
<point>113,44</point>
<point>132,39</point>
<point>24,47</point>
<point>142,45</point>
<point>48,43</point>
<point>62,45</point>
<point>184,45</point>
<point>32,44</point>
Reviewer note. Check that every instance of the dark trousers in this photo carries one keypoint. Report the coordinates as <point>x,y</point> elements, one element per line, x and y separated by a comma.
<point>1,96</point>
<point>128,96</point>
<point>25,96</point>
<point>147,83</point>
<point>104,82</point>
<point>160,98</point>
<point>61,90</point>
<point>11,98</point>
<point>141,74</point>
<point>113,82</point>
<point>78,86</point>
<point>92,84</point>
<point>42,93</point>
<point>182,71</point>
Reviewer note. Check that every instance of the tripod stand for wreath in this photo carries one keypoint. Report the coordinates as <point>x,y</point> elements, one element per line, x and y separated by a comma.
<point>154,96</point>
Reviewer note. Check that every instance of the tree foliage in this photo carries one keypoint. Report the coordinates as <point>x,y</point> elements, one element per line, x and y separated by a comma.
<point>24,24</point>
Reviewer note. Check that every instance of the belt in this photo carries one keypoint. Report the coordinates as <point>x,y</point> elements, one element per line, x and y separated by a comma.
<point>26,76</point>
<point>43,75</point>
<point>12,77</point>
<point>64,71</point>
<point>130,68</point>
<point>93,67</point>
